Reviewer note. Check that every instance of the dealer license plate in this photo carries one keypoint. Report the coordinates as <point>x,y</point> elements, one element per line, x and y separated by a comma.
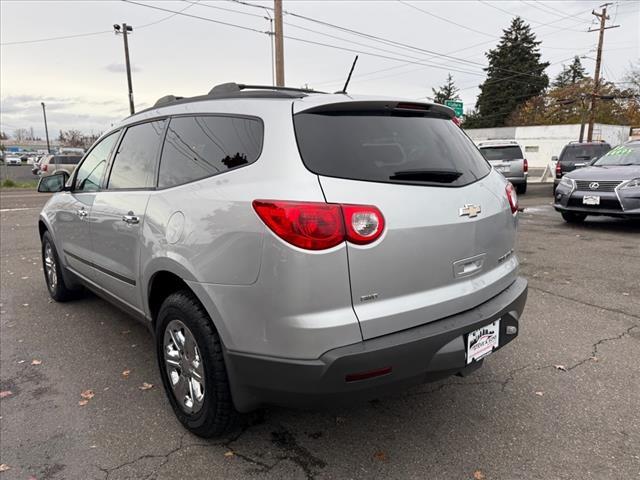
<point>591,200</point>
<point>481,342</point>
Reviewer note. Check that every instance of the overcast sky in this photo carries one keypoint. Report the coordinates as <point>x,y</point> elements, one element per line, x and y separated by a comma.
<point>83,83</point>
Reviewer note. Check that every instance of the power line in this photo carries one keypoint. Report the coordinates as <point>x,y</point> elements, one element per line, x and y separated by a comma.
<point>431,14</point>
<point>553,11</point>
<point>532,21</point>
<point>102,32</point>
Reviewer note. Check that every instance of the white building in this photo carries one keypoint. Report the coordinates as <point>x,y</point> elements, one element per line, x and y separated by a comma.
<point>540,143</point>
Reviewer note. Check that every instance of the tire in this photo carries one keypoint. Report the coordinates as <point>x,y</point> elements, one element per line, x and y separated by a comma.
<point>58,289</point>
<point>182,315</point>
<point>521,188</point>
<point>571,217</point>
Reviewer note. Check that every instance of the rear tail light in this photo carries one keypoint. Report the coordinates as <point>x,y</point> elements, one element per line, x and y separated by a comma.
<point>512,197</point>
<point>364,223</point>
<point>525,167</point>
<point>318,226</point>
<point>558,169</point>
<point>44,167</point>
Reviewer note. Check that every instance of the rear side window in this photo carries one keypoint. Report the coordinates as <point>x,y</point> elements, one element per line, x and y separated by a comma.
<point>388,147</point>
<point>507,153</point>
<point>66,160</point>
<point>199,147</point>
<point>134,165</point>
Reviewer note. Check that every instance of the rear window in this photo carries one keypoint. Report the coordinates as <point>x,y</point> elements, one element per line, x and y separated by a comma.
<point>65,160</point>
<point>507,153</point>
<point>582,153</point>
<point>388,146</point>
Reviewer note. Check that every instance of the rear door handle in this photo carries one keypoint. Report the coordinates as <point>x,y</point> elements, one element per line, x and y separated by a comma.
<point>131,219</point>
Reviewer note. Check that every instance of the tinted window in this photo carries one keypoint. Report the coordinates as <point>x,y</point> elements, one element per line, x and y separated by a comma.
<point>583,153</point>
<point>90,172</point>
<point>134,165</point>
<point>502,153</point>
<point>388,147</point>
<point>621,155</point>
<point>198,147</point>
<point>66,160</point>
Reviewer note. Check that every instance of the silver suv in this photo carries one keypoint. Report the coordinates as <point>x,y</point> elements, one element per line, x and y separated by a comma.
<point>507,158</point>
<point>291,247</point>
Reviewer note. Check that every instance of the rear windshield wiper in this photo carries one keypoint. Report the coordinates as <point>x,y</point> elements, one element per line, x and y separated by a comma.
<point>438,176</point>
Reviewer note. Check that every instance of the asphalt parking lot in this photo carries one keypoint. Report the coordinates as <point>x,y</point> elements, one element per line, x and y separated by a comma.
<point>560,402</point>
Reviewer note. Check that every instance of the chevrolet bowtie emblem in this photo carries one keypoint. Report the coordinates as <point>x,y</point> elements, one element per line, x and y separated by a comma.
<point>470,210</point>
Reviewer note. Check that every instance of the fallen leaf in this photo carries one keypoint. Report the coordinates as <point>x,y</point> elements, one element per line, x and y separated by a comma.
<point>540,394</point>
<point>25,304</point>
<point>5,393</point>
<point>125,373</point>
<point>594,359</point>
<point>4,467</point>
<point>36,362</point>
<point>82,403</point>
<point>20,361</point>
<point>561,367</point>
<point>145,386</point>
<point>87,394</point>
<point>229,454</point>
<point>478,475</point>
<point>380,456</point>
<point>626,294</point>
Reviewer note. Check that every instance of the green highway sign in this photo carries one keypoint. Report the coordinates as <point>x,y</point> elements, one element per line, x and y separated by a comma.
<point>456,106</point>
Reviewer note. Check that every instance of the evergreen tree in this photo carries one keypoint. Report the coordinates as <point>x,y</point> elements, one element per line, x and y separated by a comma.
<point>448,91</point>
<point>514,75</point>
<point>570,75</point>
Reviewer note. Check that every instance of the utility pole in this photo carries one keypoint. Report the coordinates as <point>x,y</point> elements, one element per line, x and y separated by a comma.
<point>279,43</point>
<point>596,76</point>
<point>125,29</point>
<point>46,129</point>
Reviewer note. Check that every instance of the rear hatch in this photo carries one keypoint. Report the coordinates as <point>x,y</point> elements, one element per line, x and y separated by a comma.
<point>506,159</point>
<point>578,156</point>
<point>438,255</point>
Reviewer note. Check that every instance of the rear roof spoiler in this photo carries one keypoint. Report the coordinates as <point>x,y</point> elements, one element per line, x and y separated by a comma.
<point>388,105</point>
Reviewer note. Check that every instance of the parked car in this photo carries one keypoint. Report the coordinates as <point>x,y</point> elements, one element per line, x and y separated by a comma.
<point>12,160</point>
<point>577,155</point>
<point>507,158</point>
<point>52,164</point>
<point>611,186</point>
<point>290,247</point>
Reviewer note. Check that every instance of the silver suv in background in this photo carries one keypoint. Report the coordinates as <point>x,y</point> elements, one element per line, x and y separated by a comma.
<point>507,158</point>
<point>291,247</point>
<point>52,164</point>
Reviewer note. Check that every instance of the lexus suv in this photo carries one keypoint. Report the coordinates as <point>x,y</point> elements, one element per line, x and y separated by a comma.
<point>610,186</point>
<point>507,158</point>
<point>291,247</point>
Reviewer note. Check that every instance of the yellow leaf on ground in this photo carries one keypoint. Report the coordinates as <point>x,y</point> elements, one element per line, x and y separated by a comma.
<point>478,475</point>
<point>229,454</point>
<point>4,467</point>
<point>380,456</point>
<point>87,394</point>
<point>125,373</point>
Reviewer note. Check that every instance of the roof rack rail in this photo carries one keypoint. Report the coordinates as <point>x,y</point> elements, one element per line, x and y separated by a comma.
<point>166,100</point>
<point>225,88</point>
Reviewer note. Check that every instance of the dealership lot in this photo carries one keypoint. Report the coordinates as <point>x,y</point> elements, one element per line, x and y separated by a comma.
<point>559,402</point>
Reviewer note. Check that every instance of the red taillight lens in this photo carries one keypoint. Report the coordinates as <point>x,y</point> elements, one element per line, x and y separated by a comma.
<point>512,197</point>
<point>318,226</point>
<point>308,225</point>
<point>558,169</point>
<point>44,168</point>
<point>525,167</point>
<point>364,223</point>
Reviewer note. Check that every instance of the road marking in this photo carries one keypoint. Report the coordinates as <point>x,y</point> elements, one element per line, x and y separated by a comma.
<point>17,209</point>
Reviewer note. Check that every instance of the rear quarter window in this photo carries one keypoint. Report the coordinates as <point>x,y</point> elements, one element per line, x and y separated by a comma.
<point>389,147</point>
<point>202,146</point>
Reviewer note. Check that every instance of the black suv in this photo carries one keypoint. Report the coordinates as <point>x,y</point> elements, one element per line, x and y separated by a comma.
<point>576,155</point>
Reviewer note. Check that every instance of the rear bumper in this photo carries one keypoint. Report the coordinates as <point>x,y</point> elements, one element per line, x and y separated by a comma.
<point>517,180</point>
<point>416,355</point>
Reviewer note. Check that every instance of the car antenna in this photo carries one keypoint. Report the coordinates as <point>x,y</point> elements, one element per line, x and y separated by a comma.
<point>353,65</point>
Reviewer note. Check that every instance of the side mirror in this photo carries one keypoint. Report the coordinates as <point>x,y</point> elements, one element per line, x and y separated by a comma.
<point>53,183</point>
<point>554,158</point>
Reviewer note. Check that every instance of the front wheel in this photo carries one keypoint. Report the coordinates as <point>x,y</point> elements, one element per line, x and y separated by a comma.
<point>572,217</point>
<point>192,366</point>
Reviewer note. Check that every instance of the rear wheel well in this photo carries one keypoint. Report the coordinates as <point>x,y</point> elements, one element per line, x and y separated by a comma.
<point>161,286</point>
<point>41,228</point>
